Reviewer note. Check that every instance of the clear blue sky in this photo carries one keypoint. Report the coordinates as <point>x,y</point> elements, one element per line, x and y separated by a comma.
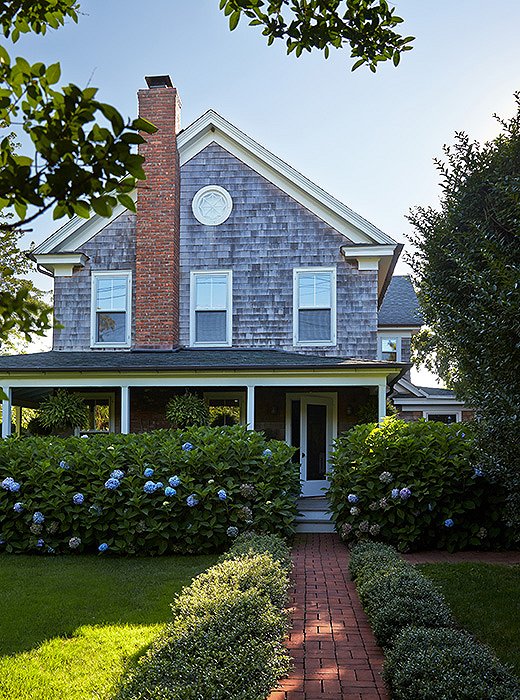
<point>367,139</point>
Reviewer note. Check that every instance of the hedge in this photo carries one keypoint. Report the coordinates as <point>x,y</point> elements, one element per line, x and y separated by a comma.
<point>152,493</point>
<point>415,486</point>
<point>427,658</point>
<point>225,640</point>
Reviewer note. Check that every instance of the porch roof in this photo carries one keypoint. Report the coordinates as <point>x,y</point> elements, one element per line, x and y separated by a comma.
<point>184,360</point>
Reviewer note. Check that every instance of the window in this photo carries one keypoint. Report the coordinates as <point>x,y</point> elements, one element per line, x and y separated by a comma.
<point>226,408</point>
<point>390,348</point>
<point>111,309</point>
<point>100,413</point>
<point>210,318</point>
<point>443,417</point>
<point>314,316</point>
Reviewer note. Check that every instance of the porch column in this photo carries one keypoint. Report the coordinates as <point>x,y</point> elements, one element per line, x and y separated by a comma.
<point>6,412</point>
<point>381,400</point>
<point>125,410</point>
<point>250,417</point>
<point>18,419</point>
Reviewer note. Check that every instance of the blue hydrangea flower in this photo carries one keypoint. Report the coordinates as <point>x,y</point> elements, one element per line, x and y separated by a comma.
<point>169,491</point>
<point>405,494</point>
<point>187,446</point>
<point>232,531</point>
<point>38,517</point>
<point>14,487</point>
<point>40,543</point>
<point>477,472</point>
<point>78,498</point>
<point>267,453</point>
<point>64,465</point>
<point>18,507</point>
<point>395,493</point>
<point>158,486</point>
<point>6,483</point>
<point>222,495</point>
<point>174,481</point>
<point>449,523</point>
<point>352,498</point>
<point>192,500</point>
<point>117,474</point>
<point>149,487</point>
<point>103,547</point>
<point>148,472</point>
<point>112,484</point>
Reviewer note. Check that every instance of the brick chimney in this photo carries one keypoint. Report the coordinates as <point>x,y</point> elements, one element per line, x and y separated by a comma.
<point>158,221</point>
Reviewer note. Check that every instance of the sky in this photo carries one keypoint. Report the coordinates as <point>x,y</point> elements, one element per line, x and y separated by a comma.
<point>367,139</point>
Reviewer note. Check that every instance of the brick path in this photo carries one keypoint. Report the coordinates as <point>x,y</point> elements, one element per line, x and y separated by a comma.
<point>437,557</point>
<point>334,651</point>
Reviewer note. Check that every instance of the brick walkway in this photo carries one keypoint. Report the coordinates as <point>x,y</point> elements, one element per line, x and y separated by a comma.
<point>334,651</point>
<point>437,557</point>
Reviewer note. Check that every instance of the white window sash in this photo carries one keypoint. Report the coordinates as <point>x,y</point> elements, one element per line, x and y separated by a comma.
<point>194,274</point>
<point>389,336</point>
<point>297,307</point>
<point>116,274</point>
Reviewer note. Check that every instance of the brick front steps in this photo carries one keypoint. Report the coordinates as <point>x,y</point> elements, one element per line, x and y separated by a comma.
<point>334,651</point>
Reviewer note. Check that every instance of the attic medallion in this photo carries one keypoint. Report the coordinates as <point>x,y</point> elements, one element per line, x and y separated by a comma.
<point>212,205</point>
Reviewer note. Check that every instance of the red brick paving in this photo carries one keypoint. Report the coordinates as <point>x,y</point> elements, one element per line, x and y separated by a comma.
<point>334,651</point>
<point>438,557</point>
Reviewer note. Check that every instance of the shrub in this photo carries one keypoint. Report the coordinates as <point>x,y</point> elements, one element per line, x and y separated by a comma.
<point>225,641</point>
<point>444,664</point>
<point>413,485</point>
<point>187,410</point>
<point>252,543</point>
<point>167,491</point>
<point>63,410</point>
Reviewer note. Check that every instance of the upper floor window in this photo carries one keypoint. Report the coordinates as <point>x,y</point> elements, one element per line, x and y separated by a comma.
<point>390,348</point>
<point>110,323</point>
<point>210,314</point>
<point>314,306</point>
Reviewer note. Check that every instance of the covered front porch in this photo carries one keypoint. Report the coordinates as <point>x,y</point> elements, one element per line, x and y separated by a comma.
<point>306,401</point>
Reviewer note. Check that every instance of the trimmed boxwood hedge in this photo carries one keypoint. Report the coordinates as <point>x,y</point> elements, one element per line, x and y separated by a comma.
<point>225,640</point>
<point>151,493</point>
<point>426,657</point>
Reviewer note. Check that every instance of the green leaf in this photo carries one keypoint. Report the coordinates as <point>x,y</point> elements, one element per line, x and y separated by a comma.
<point>53,73</point>
<point>127,202</point>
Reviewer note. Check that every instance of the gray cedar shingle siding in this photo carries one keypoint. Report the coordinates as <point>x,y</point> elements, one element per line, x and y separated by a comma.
<point>113,248</point>
<point>267,235</point>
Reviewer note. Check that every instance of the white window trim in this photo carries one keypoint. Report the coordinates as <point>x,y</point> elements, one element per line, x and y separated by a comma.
<point>239,395</point>
<point>126,274</point>
<point>443,412</point>
<point>381,337</point>
<point>112,418</point>
<point>314,343</point>
<point>229,309</point>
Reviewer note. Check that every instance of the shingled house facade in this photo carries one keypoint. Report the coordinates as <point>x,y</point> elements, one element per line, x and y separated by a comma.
<point>238,279</point>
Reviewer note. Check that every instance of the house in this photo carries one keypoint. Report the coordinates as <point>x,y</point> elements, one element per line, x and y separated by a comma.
<point>238,279</point>
<point>399,319</point>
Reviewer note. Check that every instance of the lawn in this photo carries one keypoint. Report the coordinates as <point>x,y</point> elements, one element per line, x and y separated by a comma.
<point>485,599</point>
<point>70,625</point>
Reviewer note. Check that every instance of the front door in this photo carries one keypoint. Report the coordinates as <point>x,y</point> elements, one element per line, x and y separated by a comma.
<point>315,443</point>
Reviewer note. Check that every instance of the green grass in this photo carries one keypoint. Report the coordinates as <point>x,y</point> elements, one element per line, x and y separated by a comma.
<point>70,625</point>
<point>485,599</point>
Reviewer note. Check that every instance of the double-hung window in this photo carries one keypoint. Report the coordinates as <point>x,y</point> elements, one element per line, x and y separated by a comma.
<point>110,321</point>
<point>210,316</point>
<point>314,316</point>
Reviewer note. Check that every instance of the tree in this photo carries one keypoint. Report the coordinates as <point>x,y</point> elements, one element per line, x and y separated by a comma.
<point>467,271</point>
<point>366,26</point>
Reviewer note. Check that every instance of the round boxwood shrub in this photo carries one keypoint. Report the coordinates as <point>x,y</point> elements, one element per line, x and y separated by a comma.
<point>166,491</point>
<point>414,486</point>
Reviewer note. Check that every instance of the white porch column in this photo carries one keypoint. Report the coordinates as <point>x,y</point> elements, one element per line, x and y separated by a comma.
<point>381,401</point>
<point>250,417</point>
<point>125,410</point>
<point>18,419</point>
<point>6,412</point>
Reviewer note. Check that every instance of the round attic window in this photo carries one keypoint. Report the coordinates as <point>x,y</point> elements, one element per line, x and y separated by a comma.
<point>212,205</point>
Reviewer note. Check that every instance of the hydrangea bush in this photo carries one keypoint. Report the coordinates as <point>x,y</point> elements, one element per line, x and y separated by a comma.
<point>415,486</point>
<point>166,491</point>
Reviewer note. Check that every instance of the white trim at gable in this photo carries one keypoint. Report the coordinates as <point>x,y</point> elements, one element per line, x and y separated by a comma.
<point>212,128</point>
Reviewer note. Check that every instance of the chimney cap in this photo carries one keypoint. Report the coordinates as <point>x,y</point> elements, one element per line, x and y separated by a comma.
<point>159,81</point>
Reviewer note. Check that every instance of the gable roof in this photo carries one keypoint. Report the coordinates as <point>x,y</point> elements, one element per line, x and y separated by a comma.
<point>400,305</point>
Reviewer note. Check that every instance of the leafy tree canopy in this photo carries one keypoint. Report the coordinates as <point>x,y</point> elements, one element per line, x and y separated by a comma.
<point>468,275</point>
<point>366,26</point>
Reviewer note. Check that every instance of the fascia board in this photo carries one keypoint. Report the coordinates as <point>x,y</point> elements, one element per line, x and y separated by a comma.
<point>211,127</point>
<point>428,402</point>
<point>77,231</point>
<point>405,331</point>
<point>411,388</point>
